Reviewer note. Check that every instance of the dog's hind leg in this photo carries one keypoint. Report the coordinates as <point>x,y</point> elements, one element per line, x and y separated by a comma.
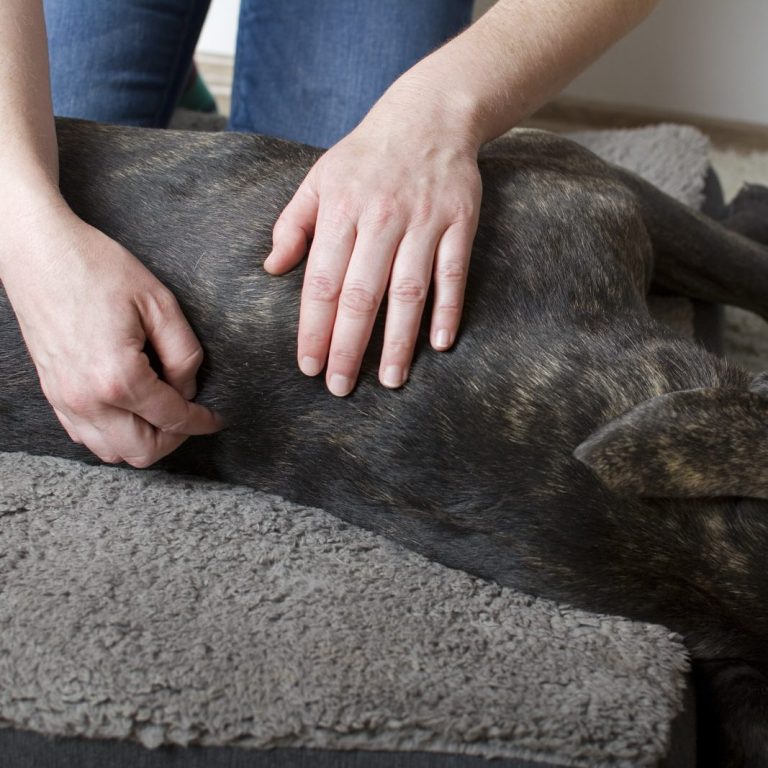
<point>701,258</point>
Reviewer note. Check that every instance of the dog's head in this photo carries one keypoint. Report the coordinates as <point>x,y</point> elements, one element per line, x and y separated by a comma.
<point>699,460</point>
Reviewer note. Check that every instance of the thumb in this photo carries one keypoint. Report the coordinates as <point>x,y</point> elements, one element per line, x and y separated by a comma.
<point>175,343</point>
<point>293,230</point>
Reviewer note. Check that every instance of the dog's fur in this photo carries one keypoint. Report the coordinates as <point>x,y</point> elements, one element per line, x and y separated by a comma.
<point>568,446</point>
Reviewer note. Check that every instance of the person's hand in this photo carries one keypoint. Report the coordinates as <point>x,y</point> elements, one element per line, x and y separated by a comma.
<point>393,206</point>
<point>86,308</point>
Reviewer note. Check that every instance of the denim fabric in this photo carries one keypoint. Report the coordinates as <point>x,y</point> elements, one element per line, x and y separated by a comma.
<point>121,61</point>
<point>306,70</point>
<point>310,70</point>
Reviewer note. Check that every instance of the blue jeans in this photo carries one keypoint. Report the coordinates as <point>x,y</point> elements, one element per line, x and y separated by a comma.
<point>305,70</point>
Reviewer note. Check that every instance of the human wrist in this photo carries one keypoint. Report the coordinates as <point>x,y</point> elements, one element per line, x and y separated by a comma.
<point>452,90</point>
<point>418,105</point>
<point>35,185</point>
<point>33,210</point>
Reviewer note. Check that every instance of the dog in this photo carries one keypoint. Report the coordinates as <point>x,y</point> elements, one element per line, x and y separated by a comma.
<point>568,446</point>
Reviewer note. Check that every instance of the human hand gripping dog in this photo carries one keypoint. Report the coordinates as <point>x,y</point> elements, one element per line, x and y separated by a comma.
<point>86,318</point>
<point>85,305</point>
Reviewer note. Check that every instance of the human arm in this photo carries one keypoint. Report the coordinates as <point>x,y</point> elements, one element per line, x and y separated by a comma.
<point>85,305</point>
<point>394,205</point>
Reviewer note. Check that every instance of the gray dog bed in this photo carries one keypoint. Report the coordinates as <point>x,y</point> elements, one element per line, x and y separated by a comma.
<point>160,610</point>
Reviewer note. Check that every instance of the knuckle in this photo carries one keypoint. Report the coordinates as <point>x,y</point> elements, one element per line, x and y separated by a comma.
<point>73,399</point>
<point>191,361</point>
<point>422,213</point>
<point>312,340</point>
<point>358,299</point>
<point>462,210</point>
<point>110,388</point>
<point>449,306</point>
<point>320,287</point>
<point>408,291</point>
<point>338,218</point>
<point>163,302</point>
<point>103,386</point>
<point>451,271</point>
<point>381,213</point>
<point>398,348</point>
<point>346,355</point>
<point>175,427</point>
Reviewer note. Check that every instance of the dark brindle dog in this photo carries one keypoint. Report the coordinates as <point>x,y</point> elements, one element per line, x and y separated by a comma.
<point>569,445</point>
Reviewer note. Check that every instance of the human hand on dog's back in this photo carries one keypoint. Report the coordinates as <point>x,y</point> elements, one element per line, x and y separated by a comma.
<point>373,204</point>
<point>85,305</point>
<point>393,207</point>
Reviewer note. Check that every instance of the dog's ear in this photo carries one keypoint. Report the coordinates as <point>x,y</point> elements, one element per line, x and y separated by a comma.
<point>700,442</point>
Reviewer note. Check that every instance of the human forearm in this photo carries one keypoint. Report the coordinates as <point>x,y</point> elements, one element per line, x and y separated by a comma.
<point>28,153</point>
<point>512,60</point>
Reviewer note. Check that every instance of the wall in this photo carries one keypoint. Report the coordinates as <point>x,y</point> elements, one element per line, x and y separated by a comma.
<point>704,57</point>
<point>220,28</point>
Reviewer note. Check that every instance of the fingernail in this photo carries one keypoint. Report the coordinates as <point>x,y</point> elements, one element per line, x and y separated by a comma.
<point>310,366</point>
<point>339,385</point>
<point>443,339</point>
<point>393,376</point>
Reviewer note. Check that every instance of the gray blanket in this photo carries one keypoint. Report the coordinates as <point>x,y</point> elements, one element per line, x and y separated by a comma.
<point>173,611</point>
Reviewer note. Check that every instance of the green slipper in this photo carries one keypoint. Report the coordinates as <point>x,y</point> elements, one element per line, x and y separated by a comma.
<point>196,96</point>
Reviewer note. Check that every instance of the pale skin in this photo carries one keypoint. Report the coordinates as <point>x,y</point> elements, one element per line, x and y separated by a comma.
<point>390,209</point>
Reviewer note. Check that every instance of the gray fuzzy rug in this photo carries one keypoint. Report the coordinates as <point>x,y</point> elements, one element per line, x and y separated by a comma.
<point>135,605</point>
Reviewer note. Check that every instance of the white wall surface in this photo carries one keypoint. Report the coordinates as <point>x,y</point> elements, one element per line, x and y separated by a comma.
<point>704,57</point>
<point>220,28</point>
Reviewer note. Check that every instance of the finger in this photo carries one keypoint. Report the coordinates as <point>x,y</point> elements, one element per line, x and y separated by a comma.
<point>138,390</point>
<point>173,340</point>
<point>163,407</point>
<point>408,286</point>
<point>450,279</point>
<point>327,264</point>
<point>361,294</point>
<point>117,435</point>
<point>293,230</point>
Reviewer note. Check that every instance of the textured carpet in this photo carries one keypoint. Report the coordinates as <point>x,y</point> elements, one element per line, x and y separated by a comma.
<point>170,611</point>
<point>138,605</point>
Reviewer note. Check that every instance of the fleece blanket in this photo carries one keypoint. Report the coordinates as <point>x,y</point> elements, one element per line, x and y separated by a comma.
<point>136,605</point>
